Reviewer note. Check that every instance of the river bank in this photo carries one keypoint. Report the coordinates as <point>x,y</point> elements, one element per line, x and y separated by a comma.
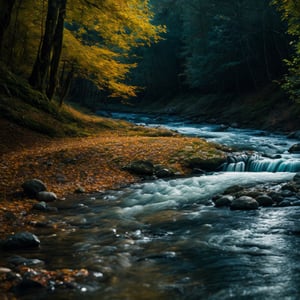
<point>268,108</point>
<point>87,165</point>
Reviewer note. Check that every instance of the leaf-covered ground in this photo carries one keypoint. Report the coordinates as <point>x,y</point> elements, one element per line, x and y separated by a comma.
<point>94,163</point>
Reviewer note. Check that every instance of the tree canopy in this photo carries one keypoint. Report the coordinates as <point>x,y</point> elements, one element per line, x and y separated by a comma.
<point>88,38</point>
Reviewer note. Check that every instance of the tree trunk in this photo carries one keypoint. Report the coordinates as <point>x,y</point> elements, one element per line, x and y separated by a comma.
<point>66,87</point>
<point>6,7</point>
<point>57,48</point>
<point>42,64</point>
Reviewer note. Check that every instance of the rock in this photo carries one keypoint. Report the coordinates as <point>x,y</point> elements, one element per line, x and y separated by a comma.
<point>290,187</point>
<point>79,190</point>
<point>22,261</point>
<point>5,270</point>
<point>40,206</point>
<point>286,193</point>
<point>46,196</point>
<point>277,197</point>
<point>264,200</point>
<point>225,200</point>
<point>208,165</point>
<point>140,167</point>
<point>295,148</point>
<point>21,240</point>
<point>244,203</point>
<point>233,189</point>
<point>162,172</point>
<point>284,203</point>
<point>297,178</point>
<point>32,187</point>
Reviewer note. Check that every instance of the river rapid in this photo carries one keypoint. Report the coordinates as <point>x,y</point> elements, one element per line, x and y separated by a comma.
<point>165,239</point>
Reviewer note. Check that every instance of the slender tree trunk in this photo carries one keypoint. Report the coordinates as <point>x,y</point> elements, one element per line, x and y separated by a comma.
<point>57,48</point>
<point>13,38</point>
<point>42,64</point>
<point>66,87</point>
<point>6,8</point>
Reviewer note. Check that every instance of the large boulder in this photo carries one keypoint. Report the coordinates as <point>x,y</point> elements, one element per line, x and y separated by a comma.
<point>21,240</point>
<point>33,186</point>
<point>244,203</point>
<point>295,148</point>
<point>140,167</point>
<point>208,165</point>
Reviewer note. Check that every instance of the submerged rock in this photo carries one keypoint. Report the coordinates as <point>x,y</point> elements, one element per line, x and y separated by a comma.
<point>244,203</point>
<point>32,187</point>
<point>21,240</point>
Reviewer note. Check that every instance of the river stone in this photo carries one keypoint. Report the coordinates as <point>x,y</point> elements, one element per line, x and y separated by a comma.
<point>233,189</point>
<point>17,260</point>
<point>295,148</point>
<point>46,196</point>
<point>33,186</point>
<point>40,206</point>
<point>208,165</point>
<point>21,240</point>
<point>162,172</point>
<point>140,167</point>
<point>265,200</point>
<point>225,200</point>
<point>244,203</point>
<point>297,178</point>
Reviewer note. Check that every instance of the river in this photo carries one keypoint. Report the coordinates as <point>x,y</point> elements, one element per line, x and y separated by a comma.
<point>164,239</point>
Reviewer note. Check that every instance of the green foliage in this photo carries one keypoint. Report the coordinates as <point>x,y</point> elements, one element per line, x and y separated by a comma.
<point>290,12</point>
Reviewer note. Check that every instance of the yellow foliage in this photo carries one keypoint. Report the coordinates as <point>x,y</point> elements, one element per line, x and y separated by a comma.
<point>98,38</point>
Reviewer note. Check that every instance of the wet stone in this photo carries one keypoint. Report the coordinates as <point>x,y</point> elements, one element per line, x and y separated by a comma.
<point>233,189</point>
<point>264,200</point>
<point>46,196</point>
<point>244,203</point>
<point>19,260</point>
<point>225,200</point>
<point>284,203</point>
<point>297,178</point>
<point>21,240</point>
<point>140,167</point>
<point>32,187</point>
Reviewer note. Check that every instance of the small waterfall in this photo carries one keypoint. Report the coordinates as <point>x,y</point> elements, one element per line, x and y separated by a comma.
<point>257,163</point>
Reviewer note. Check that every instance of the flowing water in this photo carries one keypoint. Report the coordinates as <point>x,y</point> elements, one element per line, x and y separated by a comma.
<point>165,240</point>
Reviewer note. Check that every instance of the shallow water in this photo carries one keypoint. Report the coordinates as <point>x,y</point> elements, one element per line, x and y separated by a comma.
<point>164,239</point>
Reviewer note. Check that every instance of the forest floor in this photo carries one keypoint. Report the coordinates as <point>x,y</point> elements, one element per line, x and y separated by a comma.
<point>94,163</point>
